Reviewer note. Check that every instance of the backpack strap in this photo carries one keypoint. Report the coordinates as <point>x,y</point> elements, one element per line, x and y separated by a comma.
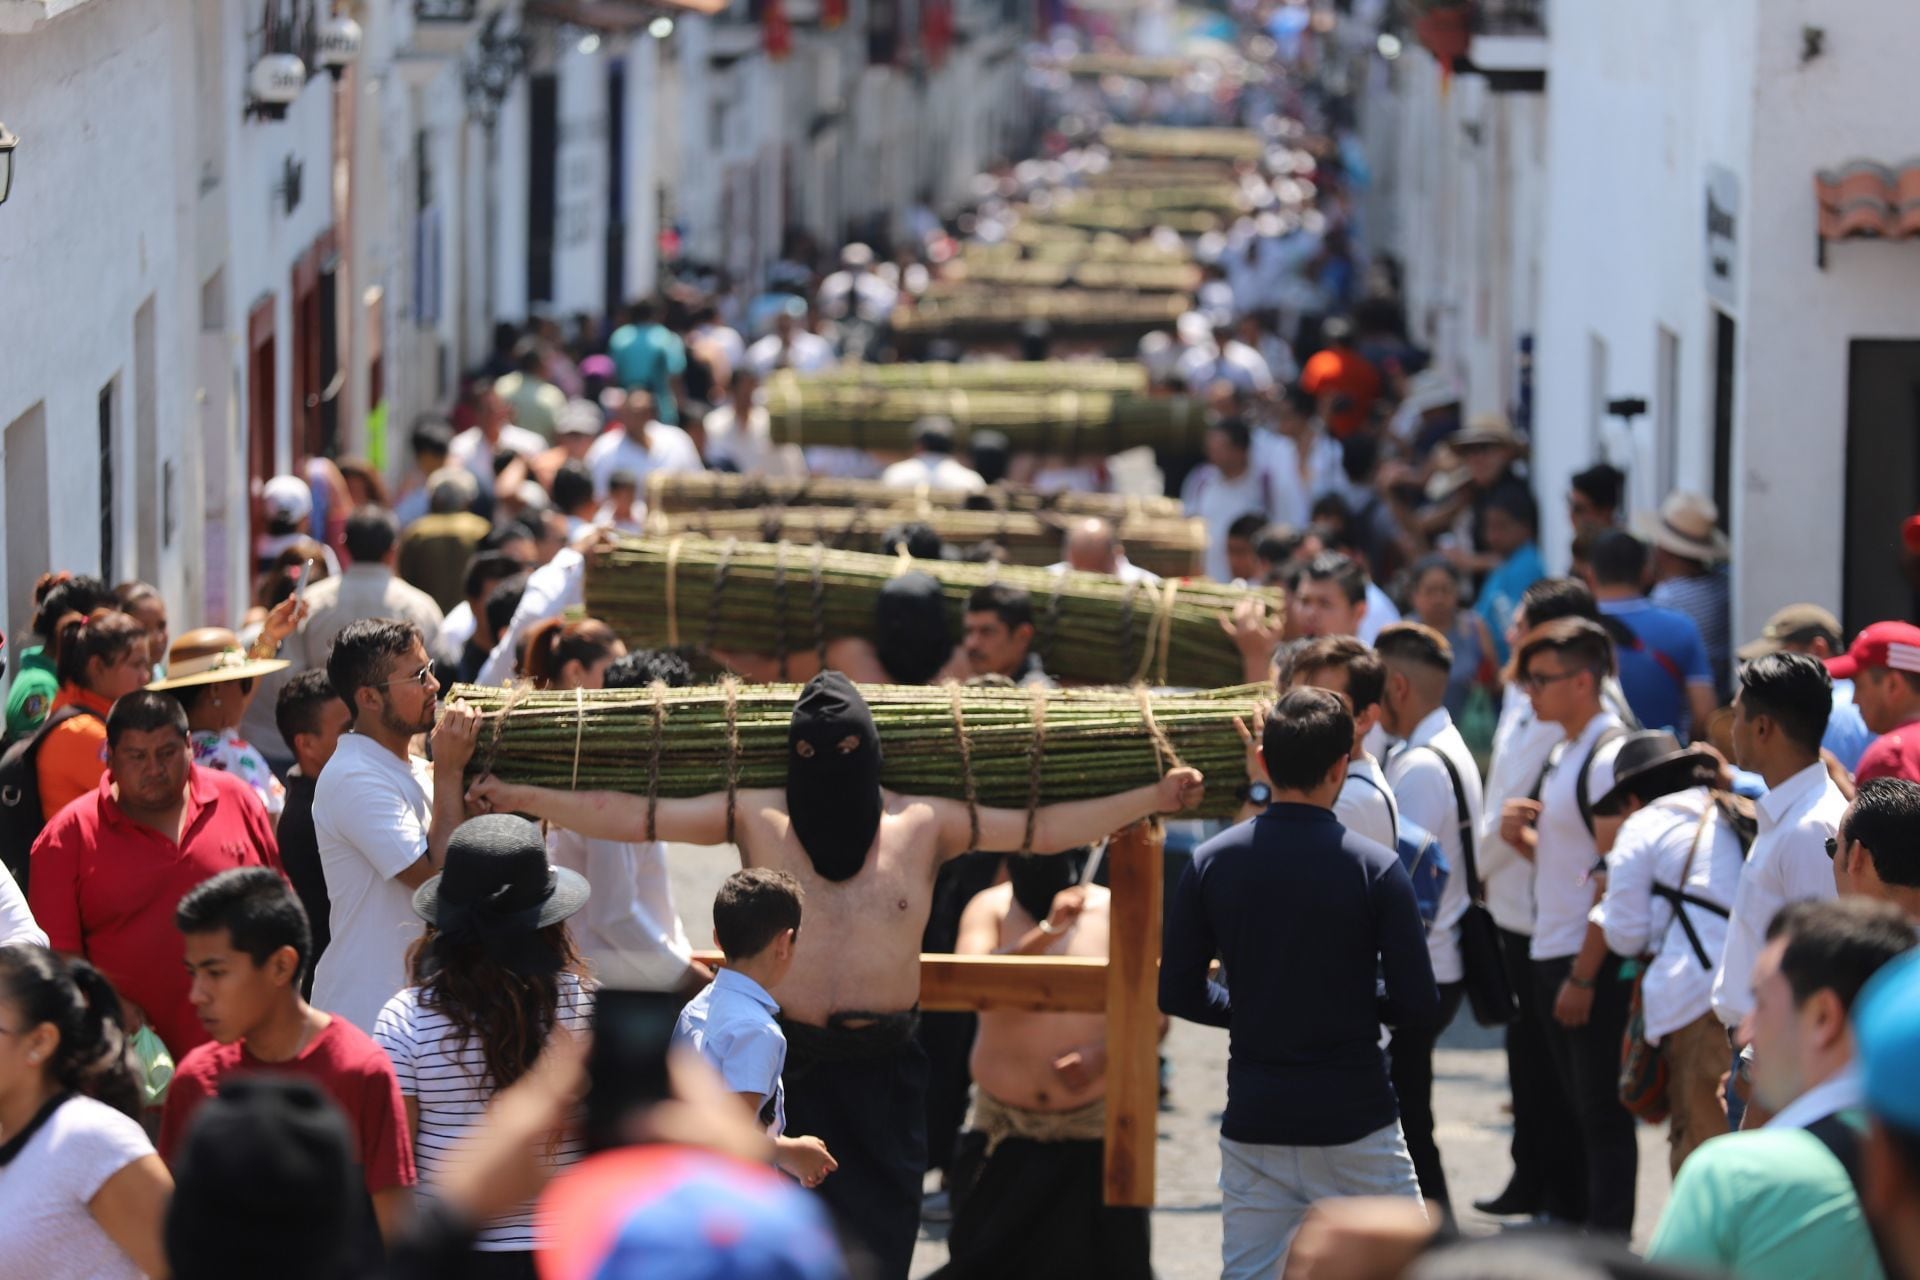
<point>1678,897</point>
<point>1393,807</point>
<point>1464,814</point>
<point>1843,1141</point>
<point>1581,794</point>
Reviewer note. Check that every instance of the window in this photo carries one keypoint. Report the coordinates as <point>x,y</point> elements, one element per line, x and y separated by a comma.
<point>108,565</point>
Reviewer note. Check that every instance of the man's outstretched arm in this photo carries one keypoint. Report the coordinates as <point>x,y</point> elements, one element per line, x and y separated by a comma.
<point>1069,825</point>
<point>607,815</point>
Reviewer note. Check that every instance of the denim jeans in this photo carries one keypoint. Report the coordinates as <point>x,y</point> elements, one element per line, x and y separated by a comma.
<point>1266,1190</point>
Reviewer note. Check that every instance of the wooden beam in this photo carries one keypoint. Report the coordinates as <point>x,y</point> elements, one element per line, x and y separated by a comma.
<point>1133,1014</point>
<point>1017,984</point>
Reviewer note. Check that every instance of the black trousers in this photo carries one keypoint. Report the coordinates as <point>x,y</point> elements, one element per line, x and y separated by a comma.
<point>1038,1209</point>
<point>872,1115</point>
<point>1549,1166</point>
<point>1587,1061</point>
<point>1410,1066</point>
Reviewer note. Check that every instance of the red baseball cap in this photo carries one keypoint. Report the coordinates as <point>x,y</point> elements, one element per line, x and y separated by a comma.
<point>1884,644</point>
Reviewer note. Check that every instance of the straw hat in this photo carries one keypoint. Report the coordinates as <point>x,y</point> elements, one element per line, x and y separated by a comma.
<point>1689,526</point>
<point>1485,428</point>
<point>211,655</point>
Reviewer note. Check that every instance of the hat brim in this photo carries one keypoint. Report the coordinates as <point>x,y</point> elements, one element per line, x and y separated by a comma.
<point>1761,648</point>
<point>1678,763</point>
<point>1843,667</point>
<point>570,893</point>
<point>1712,551</point>
<point>247,670</point>
<point>1466,438</point>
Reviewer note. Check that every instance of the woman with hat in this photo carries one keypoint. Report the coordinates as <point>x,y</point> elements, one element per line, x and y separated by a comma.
<point>491,978</point>
<point>1688,552</point>
<point>212,678</point>
<point>1674,857</point>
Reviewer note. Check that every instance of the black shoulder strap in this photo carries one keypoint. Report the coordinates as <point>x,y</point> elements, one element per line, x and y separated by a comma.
<point>1465,816</point>
<point>1843,1140</point>
<point>1581,794</point>
<point>1393,808</point>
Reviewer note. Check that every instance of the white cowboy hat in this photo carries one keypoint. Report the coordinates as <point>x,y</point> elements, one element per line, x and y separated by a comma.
<point>211,655</point>
<point>1689,526</point>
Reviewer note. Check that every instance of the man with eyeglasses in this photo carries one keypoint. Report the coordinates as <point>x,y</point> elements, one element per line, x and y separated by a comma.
<point>1876,852</point>
<point>1779,716</point>
<point>1563,667</point>
<point>381,815</point>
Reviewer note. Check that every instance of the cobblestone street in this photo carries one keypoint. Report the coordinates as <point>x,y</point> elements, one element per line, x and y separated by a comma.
<point>1470,1099</point>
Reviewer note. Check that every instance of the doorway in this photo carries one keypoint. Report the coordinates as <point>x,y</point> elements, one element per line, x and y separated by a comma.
<point>1725,346</point>
<point>1883,479</point>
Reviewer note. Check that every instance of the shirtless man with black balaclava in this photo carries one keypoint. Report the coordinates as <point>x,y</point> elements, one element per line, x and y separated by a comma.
<point>866,858</point>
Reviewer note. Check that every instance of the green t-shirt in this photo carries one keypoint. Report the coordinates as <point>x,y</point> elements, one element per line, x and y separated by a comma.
<point>1772,1204</point>
<point>31,698</point>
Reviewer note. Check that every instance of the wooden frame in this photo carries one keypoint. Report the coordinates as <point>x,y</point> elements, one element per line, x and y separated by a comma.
<point>1125,987</point>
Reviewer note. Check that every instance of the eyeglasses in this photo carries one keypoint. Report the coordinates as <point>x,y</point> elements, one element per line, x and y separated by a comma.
<point>424,677</point>
<point>1540,681</point>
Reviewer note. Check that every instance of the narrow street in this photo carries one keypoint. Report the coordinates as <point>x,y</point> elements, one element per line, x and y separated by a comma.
<point>1470,1101</point>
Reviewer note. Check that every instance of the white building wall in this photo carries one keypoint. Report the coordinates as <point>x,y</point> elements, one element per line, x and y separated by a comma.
<point>94,229</point>
<point>581,177</point>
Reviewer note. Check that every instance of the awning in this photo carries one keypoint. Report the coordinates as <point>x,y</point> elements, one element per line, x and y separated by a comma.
<point>1863,199</point>
<point>617,16</point>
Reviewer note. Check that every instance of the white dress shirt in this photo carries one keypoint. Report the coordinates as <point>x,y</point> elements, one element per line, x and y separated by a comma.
<point>551,590</point>
<point>1365,804</point>
<point>1563,884</point>
<point>750,450</point>
<point>1657,846</point>
<point>933,471</point>
<point>1521,744</point>
<point>807,353</point>
<point>1123,569</point>
<point>1381,613</point>
<point>629,930</point>
<point>667,449</point>
<point>1842,1091</point>
<point>1788,863</point>
<point>1425,795</point>
<point>471,450</point>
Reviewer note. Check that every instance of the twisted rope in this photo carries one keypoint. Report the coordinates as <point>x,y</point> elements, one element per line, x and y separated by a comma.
<point>966,763</point>
<point>659,692</point>
<point>1036,751</point>
<point>732,688</point>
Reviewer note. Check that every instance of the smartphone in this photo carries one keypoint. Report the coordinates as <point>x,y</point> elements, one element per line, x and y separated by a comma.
<point>627,1062</point>
<point>300,587</point>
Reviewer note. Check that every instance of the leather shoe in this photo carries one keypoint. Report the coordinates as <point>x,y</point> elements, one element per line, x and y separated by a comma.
<point>1510,1203</point>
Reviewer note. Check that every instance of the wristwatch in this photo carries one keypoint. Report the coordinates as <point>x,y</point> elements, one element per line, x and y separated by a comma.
<point>1580,984</point>
<point>1256,793</point>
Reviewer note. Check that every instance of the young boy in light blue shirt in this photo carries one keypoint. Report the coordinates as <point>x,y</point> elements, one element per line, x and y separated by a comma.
<point>734,1022</point>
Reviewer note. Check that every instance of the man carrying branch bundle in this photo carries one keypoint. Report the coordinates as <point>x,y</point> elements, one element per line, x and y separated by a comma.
<point>866,859</point>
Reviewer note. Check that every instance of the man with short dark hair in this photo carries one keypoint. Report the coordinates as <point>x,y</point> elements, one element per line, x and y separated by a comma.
<point>1884,664</point>
<point>247,945</point>
<point>1663,664</point>
<point>643,445</point>
<point>1876,851</point>
<point>1593,498</point>
<point>382,816</point>
<point>368,588</point>
<point>1330,596</point>
<point>430,440</point>
<point>1436,784</point>
<point>1343,665</point>
<point>1510,528</point>
<point>1781,1203</point>
<point>933,465</point>
<point>109,869</point>
<point>464,625</point>
<point>1808,628</point>
<point>1563,666</point>
<point>998,635</point>
<point>1310,1109</point>
<point>311,718</point>
<point>1228,485</point>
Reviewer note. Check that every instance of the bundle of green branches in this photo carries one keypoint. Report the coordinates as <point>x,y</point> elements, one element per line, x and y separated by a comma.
<point>776,598</point>
<point>1168,548</point>
<point>1083,273</point>
<point>1162,171</point>
<point>1180,144</point>
<point>998,748</point>
<point>1105,247</point>
<point>1222,196</point>
<point>1069,421</point>
<point>1133,66</point>
<point>1107,217</point>
<point>985,375</point>
<point>670,492</point>
<point>1011,311</point>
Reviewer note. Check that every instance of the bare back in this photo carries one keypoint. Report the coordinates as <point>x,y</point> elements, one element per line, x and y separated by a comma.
<point>1014,1051</point>
<point>859,945</point>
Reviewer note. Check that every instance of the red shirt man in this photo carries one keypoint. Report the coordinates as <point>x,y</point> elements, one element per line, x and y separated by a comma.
<point>1884,664</point>
<point>110,868</point>
<point>1344,381</point>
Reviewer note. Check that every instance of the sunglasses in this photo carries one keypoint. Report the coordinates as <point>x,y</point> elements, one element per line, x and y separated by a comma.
<point>423,677</point>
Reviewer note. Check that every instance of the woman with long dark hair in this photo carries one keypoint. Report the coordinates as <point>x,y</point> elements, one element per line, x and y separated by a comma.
<point>571,655</point>
<point>100,658</point>
<point>35,681</point>
<point>82,1194</point>
<point>491,978</point>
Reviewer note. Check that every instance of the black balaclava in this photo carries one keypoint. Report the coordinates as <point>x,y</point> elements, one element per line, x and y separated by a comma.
<point>833,775</point>
<point>1036,878</point>
<point>911,635</point>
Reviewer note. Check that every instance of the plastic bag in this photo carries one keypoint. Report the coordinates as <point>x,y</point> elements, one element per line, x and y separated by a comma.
<point>155,1064</point>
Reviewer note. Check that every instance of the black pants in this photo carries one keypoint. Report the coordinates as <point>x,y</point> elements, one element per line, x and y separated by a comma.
<point>1587,1061</point>
<point>1410,1065</point>
<point>872,1115</point>
<point>1038,1209</point>
<point>1549,1169</point>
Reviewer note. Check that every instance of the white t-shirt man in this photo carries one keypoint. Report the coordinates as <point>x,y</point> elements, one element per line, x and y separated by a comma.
<point>1565,857</point>
<point>807,353</point>
<point>371,815</point>
<point>1220,501</point>
<point>471,450</point>
<point>932,471</point>
<point>1426,797</point>
<point>748,447</point>
<point>629,931</point>
<point>667,449</point>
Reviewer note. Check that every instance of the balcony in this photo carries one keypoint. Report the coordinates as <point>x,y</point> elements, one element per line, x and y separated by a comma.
<point>1510,43</point>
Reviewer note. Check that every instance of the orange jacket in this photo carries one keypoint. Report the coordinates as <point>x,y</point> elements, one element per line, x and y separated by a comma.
<point>73,755</point>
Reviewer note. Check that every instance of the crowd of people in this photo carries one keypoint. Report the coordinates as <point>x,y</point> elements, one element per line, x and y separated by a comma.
<point>290,982</point>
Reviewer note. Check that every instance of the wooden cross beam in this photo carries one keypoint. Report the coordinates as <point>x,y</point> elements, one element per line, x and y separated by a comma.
<point>1125,987</point>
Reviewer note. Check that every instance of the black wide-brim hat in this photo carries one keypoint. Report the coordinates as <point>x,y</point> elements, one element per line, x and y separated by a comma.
<point>1652,763</point>
<point>498,862</point>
